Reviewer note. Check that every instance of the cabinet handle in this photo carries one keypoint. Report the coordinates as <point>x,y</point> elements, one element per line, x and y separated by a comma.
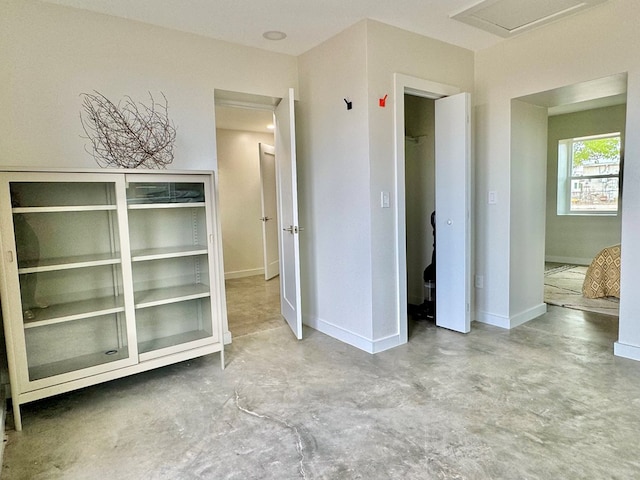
<point>10,256</point>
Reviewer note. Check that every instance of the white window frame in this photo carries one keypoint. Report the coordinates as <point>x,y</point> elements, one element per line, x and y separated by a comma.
<point>565,178</point>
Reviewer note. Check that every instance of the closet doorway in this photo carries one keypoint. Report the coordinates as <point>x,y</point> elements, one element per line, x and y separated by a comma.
<point>452,180</point>
<point>420,201</point>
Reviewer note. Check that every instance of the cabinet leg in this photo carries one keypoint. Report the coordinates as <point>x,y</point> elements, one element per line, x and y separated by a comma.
<point>17,418</point>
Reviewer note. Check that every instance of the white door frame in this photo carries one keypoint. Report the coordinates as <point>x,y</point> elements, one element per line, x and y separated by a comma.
<point>421,88</point>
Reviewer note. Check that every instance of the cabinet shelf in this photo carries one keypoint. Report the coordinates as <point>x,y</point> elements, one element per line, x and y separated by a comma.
<point>68,312</point>
<point>164,296</point>
<point>64,208</point>
<point>66,263</point>
<point>148,206</point>
<point>76,363</point>
<point>172,340</point>
<point>163,253</point>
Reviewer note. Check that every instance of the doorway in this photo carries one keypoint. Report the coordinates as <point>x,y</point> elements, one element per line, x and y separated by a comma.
<point>452,179</point>
<point>420,199</point>
<point>569,233</point>
<point>282,113</point>
<point>244,133</point>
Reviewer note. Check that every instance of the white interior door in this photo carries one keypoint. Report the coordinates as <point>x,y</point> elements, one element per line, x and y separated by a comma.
<point>269,210</point>
<point>453,194</point>
<point>285,150</point>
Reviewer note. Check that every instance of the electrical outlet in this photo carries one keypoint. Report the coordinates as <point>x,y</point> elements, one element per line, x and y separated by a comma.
<point>384,200</point>
<point>479,281</point>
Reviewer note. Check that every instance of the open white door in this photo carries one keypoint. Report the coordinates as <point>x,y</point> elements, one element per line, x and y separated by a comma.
<point>453,194</point>
<point>285,140</point>
<point>269,217</point>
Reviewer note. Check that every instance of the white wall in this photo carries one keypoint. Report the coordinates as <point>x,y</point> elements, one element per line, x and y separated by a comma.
<point>333,188</point>
<point>49,55</point>
<point>591,45</point>
<point>528,176</point>
<point>347,158</point>
<point>578,238</point>
<point>240,201</point>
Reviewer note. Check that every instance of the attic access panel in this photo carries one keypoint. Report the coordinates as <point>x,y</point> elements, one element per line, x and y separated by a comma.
<point>511,17</point>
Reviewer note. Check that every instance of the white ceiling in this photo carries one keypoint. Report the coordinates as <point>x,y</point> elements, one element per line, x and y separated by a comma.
<point>307,22</point>
<point>310,22</point>
<point>246,119</point>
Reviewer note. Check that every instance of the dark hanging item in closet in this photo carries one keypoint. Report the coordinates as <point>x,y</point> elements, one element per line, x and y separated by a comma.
<point>430,271</point>
<point>429,276</point>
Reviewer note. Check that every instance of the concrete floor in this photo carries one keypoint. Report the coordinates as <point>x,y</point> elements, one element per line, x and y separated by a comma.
<point>253,305</point>
<point>546,400</point>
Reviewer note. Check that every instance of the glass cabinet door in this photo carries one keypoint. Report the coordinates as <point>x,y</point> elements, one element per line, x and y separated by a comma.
<point>70,275</point>
<point>169,238</point>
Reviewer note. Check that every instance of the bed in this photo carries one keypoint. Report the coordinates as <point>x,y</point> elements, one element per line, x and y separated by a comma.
<point>603,275</point>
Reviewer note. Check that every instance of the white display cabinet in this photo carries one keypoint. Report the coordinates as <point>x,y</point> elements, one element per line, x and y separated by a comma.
<point>105,274</point>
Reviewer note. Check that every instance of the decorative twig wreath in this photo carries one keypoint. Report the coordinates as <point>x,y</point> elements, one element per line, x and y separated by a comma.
<point>129,134</point>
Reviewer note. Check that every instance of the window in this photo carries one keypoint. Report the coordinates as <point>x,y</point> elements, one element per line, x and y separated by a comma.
<point>589,175</point>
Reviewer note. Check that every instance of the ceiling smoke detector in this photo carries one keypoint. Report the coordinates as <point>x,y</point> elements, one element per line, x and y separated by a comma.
<point>511,17</point>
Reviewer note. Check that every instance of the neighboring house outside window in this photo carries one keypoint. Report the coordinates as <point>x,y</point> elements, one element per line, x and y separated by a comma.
<point>589,175</point>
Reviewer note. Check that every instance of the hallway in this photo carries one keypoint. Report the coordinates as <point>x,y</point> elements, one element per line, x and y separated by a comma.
<point>545,400</point>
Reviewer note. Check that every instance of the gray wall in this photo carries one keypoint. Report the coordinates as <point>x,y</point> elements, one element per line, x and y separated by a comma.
<point>571,238</point>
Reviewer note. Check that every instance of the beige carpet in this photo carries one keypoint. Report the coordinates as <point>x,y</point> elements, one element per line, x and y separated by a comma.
<point>563,287</point>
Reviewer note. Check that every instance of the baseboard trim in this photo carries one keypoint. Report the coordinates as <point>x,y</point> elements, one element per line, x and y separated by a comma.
<point>623,350</point>
<point>492,319</point>
<point>243,273</point>
<point>386,343</point>
<point>352,338</point>
<point>527,315</point>
<point>569,260</point>
<point>512,321</point>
